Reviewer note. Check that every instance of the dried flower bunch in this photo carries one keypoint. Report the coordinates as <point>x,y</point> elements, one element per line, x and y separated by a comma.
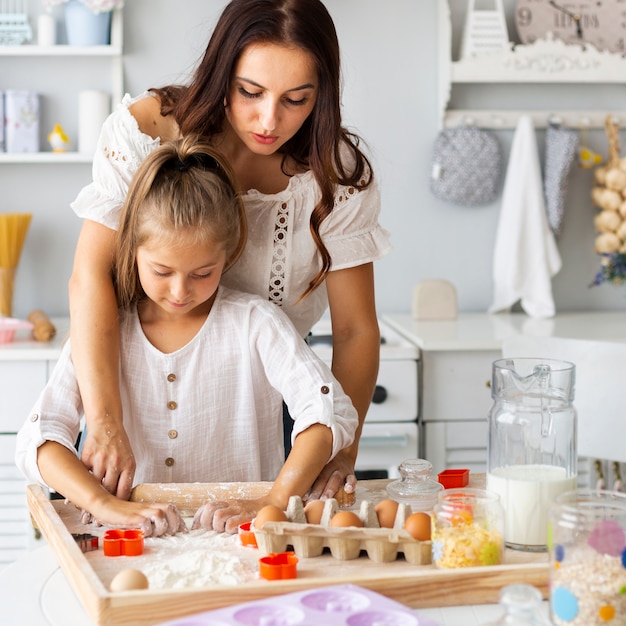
<point>609,195</point>
<point>95,6</point>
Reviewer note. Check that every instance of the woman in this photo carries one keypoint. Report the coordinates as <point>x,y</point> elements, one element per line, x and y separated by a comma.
<point>266,94</point>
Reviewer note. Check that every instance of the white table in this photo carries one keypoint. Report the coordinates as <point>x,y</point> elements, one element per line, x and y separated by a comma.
<point>34,591</point>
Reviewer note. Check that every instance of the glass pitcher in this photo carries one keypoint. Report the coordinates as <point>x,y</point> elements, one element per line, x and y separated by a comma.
<point>532,444</point>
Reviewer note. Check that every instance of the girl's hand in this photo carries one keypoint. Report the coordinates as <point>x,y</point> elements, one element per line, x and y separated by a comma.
<point>226,516</point>
<point>153,519</point>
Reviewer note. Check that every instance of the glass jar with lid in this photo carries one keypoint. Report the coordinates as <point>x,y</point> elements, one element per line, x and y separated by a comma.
<point>467,528</point>
<point>416,487</point>
<point>522,605</point>
<point>588,558</point>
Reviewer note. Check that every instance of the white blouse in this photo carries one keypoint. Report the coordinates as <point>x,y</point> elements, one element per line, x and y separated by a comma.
<point>210,411</point>
<point>280,258</point>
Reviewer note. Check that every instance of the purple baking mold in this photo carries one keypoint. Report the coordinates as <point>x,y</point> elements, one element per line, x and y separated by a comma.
<point>335,605</point>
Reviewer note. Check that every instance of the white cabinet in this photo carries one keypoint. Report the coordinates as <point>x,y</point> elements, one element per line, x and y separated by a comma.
<point>457,357</point>
<point>63,71</point>
<point>25,366</point>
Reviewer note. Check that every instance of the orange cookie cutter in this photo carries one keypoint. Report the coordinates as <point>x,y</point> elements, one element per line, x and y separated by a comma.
<point>123,542</point>
<point>246,535</point>
<point>278,566</point>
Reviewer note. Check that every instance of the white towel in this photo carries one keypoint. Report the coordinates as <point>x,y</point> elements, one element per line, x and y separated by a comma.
<point>525,256</point>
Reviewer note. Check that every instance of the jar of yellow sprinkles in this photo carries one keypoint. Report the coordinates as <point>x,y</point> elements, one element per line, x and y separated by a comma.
<point>467,528</point>
<point>587,543</point>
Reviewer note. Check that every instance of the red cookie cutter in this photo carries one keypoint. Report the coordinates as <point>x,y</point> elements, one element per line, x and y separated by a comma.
<point>246,535</point>
<point>278,566</point>
<point>123,542</point>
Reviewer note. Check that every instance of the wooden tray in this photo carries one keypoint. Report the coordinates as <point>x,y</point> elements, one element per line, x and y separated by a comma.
<point>417,586</point>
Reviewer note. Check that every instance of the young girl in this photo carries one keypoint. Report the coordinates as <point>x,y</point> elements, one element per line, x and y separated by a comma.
<point>267,95</point>
<point>203,369</point>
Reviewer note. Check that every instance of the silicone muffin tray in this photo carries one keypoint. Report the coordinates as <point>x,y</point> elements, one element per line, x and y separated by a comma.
<point>309,540</point>
<point>335,605</point>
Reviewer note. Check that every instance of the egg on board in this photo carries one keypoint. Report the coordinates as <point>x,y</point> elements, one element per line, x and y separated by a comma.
<point>386,511</point>
<point>269,513</point>
<point>418,526</point>
<point>344,519</point>
<point>129,579</point>
<point>313,511</point>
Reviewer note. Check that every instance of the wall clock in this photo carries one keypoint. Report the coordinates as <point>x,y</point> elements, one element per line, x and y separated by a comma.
<point>598,22</point>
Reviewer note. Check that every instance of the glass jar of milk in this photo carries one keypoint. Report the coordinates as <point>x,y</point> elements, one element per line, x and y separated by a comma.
<point>532,444</point>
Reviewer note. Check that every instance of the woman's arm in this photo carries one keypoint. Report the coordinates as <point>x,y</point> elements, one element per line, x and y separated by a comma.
<point>63,472</point>
<point>310,450</point>
<point>356,355</point>
<point>106,450</point>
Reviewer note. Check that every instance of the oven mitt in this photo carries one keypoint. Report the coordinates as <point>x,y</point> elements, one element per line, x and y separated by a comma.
<point>560,153</point>
<point>466,167</point>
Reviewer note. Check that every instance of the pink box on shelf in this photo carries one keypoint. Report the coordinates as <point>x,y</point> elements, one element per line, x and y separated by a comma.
<point>21,114</point>
<point>454,478</point>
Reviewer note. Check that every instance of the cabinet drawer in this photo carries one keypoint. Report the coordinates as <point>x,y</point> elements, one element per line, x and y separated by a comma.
<point>21,383</point>
<point>456,444</point>
<point>456,385</point>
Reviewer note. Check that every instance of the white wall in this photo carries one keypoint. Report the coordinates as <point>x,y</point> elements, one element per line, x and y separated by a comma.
<point>390,74</point>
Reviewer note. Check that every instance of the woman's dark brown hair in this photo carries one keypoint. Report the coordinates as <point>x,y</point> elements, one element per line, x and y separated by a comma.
<point>321,143</point>
<point>185,187</point>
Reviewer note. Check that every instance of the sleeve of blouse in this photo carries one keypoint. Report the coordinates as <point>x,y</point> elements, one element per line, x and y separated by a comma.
<point>121,148</point>
<point>312,393</point>
<point>55,417</point>
<point>352,232</point>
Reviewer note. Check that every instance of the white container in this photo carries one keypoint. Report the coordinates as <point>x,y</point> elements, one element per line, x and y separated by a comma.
<point>46,30</point>
<point>22,120</point>
<point>2,140</point>
<point>93,109</point>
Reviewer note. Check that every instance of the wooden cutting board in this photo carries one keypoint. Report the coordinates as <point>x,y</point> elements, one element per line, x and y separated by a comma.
<point>416,586</point>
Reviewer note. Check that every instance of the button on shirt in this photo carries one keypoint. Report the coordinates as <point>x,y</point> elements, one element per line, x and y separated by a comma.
<point>220,420</point>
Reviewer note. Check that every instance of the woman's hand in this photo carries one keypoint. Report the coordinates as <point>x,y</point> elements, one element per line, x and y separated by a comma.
<point>153,519</point>
<point>226,516</point>
<point>337,473</point>
<point>107,454</point>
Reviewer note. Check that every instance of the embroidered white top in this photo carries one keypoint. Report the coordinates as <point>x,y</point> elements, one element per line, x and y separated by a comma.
<point>280,258</point>
<point>210,411</point>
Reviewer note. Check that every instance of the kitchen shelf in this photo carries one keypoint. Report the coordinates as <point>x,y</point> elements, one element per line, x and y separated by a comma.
<point>111,54</point>
<point>548,61</point>
<point>45,157</point>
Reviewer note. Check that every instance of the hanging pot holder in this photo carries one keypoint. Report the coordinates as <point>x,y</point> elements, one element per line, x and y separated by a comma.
<point>467,166</point>
<point>561,151</point>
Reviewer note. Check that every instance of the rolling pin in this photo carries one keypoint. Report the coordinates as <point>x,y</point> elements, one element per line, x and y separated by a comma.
<point>43,328</point>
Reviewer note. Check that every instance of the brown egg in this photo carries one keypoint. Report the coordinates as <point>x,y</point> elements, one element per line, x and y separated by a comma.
<point>386,511</point>
<point>129,579</point>
<point>343,519</point>
<point>313,511</point>
<point>269,513</point>
<point>418,526</point>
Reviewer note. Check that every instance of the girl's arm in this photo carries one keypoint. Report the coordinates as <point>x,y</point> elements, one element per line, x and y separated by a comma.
<point>356,355</point>
<point>63,471</point>
<point>106,450</point>
<point>306,459</point>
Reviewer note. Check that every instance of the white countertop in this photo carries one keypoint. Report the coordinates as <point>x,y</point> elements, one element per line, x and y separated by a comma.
<point>34,591</point>
<point>484,331</point>
<point>25,348</point>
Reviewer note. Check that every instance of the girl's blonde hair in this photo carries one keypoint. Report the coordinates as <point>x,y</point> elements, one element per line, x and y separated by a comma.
<point>183,187</point>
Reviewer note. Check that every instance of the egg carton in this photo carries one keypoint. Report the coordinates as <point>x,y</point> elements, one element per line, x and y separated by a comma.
<point>309,540</point>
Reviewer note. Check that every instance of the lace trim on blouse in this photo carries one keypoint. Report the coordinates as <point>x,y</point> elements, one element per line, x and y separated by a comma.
<point>277,274</point>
